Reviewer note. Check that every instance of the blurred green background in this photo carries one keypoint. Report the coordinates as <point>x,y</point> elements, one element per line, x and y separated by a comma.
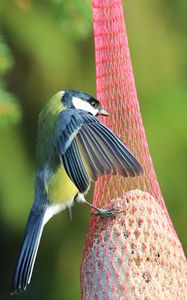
<point>47,46</point>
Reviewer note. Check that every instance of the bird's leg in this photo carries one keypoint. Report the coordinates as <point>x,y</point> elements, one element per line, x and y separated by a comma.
<point>70,212</point>
<point>106,212</point>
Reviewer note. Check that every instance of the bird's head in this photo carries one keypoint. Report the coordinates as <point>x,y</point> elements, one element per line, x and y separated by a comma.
<point>80,100</point>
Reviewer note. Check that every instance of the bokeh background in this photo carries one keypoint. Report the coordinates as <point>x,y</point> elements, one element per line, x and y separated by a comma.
<point>47,46</point>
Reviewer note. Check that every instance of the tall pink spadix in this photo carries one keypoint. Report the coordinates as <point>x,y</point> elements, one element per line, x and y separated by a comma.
<point>135,255</point>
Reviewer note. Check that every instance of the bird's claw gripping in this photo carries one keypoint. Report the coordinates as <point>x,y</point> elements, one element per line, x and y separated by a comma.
<point>107,212</point>
<point>103,212</point>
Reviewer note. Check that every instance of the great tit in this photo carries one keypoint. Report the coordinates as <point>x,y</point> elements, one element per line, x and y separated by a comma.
<point>74,148</point>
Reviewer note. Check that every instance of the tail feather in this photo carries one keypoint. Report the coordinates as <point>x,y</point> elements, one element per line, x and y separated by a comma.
<point>27,256</point>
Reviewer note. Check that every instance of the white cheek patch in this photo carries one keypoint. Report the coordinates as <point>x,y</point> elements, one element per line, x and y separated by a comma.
<point>81,104</point>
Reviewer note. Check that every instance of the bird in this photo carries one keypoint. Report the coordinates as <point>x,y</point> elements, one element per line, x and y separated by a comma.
<point>74,148</point>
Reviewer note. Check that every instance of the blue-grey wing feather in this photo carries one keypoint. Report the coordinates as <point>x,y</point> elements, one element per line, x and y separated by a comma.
<point>103,152</point>
<point>126,162</point>
<point>75,168</point>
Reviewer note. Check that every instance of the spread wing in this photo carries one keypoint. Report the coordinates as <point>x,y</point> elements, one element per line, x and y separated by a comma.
<point>88,149</point>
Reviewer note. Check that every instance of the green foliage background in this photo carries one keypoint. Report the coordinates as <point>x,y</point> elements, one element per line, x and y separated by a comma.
<point>46,46</point>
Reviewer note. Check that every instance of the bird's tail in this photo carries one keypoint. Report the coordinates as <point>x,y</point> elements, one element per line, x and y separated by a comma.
<point>28,252</point>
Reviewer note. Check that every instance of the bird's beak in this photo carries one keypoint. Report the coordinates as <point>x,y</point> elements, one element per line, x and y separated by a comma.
<point>103,112</point>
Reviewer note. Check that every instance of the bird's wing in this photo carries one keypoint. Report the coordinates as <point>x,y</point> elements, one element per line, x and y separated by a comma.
<point>88,149</point>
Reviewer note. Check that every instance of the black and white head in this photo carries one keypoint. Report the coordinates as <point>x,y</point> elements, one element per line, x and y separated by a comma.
<point>80,100</point>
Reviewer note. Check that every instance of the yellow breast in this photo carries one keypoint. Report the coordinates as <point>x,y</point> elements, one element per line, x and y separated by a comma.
<point>60,187</point>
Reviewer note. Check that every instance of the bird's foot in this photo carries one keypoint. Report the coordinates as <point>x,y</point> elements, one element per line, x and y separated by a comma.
<point>104,212</point>
<point>107,212</point>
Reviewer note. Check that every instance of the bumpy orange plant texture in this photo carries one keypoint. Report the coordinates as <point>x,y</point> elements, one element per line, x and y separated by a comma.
<point>137,254</point>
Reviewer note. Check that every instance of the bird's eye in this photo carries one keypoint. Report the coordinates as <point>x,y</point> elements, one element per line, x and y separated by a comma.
<point>94,104</point>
